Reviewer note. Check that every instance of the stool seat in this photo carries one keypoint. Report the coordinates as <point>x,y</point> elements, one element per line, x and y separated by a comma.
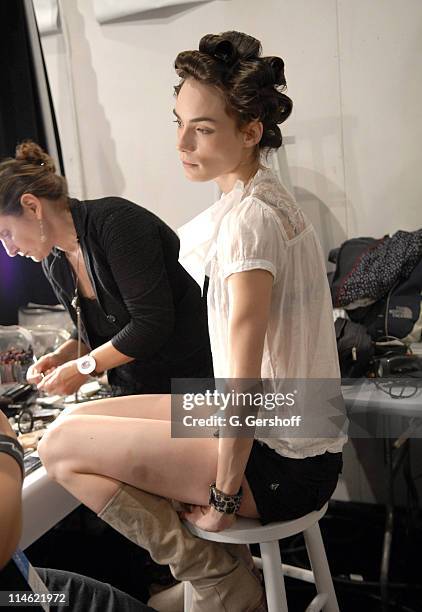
<point>250,531</point>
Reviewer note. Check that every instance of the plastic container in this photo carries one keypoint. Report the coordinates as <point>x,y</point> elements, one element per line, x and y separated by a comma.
<point>47,339</point>
<point>16,353</point>
<point>56,317</point>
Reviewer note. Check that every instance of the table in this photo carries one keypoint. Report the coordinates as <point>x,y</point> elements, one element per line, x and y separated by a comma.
<point>44,504</point>
<point>365,396</point>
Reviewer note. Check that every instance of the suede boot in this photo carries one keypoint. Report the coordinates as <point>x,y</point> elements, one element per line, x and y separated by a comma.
<point>172,598</point>
<point>169,600</point>
<point>220,582</point>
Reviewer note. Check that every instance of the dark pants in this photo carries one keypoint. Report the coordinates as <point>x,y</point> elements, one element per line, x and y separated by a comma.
<point>89,595</point>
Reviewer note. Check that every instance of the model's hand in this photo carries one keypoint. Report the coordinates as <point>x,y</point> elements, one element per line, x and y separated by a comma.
<point>45,365</point>
<point>208,518</point>
<point>63,380</point>
<point>5,427</point>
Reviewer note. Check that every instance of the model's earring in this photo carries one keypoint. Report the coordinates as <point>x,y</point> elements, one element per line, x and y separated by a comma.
<point>43,237</point>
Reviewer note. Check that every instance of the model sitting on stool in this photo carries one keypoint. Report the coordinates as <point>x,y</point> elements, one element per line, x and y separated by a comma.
<point>270,317</point>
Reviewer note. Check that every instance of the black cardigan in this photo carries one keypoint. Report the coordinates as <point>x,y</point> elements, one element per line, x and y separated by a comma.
<point>153,305</point>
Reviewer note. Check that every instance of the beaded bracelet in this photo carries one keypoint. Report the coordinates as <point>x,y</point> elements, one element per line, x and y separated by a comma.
<point>10,446</point>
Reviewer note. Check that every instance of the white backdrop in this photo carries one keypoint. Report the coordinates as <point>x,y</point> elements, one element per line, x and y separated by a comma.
<point>108,10</point>
<point>353,72</point>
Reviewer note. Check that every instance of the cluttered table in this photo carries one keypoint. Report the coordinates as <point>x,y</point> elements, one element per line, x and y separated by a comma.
<point>45,502</point>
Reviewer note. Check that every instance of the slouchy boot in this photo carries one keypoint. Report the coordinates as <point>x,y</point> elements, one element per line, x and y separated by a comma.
<point>172,598</point>
<point>220,582</point>
<point>169,600</point>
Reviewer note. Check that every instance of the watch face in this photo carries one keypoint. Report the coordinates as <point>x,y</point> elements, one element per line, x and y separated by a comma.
<point>86,364</point>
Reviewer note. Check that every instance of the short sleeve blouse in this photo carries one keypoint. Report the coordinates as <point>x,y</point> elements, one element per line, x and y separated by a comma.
<point>265,229</point>
<point>250,238</point>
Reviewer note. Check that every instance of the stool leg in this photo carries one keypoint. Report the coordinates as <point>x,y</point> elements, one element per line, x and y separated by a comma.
<point>273,577</point>
<point>187,596</point>
<point>320,568</point>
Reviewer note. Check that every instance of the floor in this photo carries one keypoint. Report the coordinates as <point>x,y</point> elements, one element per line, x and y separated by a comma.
<point>352,534</point>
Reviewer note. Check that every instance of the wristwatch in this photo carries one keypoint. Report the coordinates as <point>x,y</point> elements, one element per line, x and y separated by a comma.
<point>86,364</point>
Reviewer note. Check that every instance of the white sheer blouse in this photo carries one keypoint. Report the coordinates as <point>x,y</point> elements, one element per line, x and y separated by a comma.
<point>259,226</point>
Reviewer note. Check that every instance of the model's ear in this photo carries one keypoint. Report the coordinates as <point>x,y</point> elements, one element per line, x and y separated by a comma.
<point>32,204</point>
<point>252,133</point>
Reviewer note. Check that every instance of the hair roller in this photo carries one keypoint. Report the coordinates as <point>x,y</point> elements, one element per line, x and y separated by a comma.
<point>276,65</point>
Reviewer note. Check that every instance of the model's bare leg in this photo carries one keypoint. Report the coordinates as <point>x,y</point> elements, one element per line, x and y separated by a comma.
<point>136,406</point>
<point>131,406</point>
<point>90,455</point>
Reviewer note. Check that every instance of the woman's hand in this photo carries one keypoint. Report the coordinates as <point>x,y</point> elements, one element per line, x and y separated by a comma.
<point>63,380</point>
<point>45,365</point>
<point>208,518</point>
<point>5,427</point>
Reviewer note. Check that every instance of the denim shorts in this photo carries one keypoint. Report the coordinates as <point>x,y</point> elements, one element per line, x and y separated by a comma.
<point>285,488</point>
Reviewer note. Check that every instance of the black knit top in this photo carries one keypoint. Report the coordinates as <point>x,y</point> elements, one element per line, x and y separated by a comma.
<point>154,308</point>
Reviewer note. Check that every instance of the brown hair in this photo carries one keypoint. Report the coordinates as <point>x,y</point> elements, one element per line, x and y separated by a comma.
<point>33,171</point>
<point>252,85</point>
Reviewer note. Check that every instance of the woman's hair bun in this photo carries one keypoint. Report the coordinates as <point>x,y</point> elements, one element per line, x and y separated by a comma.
<point>31,153</point>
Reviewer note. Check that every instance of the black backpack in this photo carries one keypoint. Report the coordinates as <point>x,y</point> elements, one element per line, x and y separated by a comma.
<point>355,348</point>
<point>397,314</point>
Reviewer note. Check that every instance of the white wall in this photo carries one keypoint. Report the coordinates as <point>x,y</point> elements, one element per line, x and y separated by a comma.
<point>352,70</point>
<point>381,88</point>
<point>123,78</point>
<point>353,142</point>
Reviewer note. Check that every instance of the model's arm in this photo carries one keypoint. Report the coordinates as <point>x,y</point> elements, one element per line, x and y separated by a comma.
<point>10,499</point>
<point>250,299</point>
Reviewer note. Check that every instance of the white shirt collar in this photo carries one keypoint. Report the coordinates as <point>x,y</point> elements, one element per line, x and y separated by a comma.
<point>198,236</point>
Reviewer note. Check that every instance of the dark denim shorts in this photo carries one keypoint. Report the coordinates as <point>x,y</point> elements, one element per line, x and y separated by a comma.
<point>285,488</point>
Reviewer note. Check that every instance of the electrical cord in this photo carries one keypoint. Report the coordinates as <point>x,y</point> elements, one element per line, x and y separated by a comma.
<point>387,386</point>
<point>384,339</point>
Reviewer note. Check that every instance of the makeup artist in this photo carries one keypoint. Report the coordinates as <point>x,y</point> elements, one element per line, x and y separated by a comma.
<point>114,266</point>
